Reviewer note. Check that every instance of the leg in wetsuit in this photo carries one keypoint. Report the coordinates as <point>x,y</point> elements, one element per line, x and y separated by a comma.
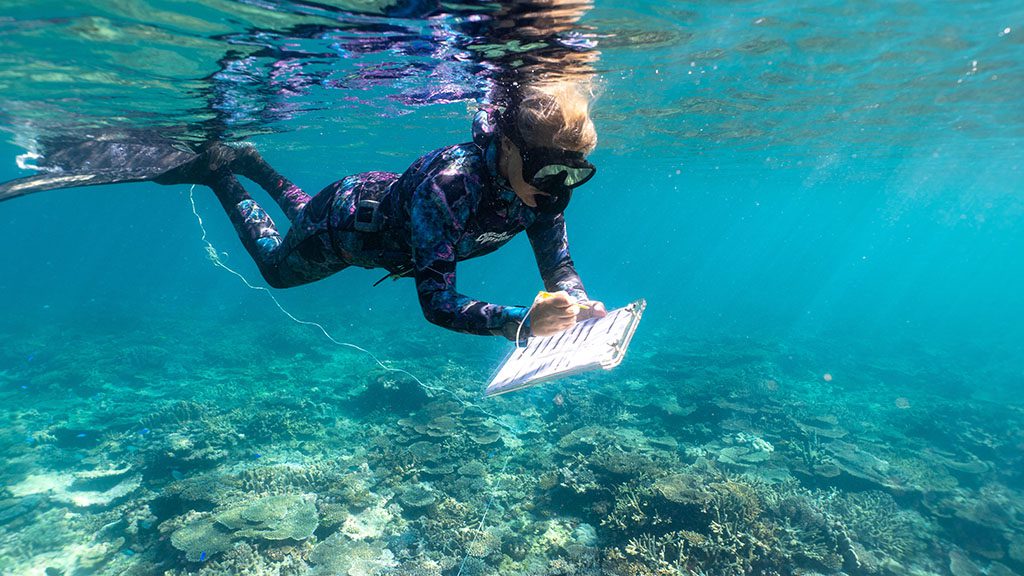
<point>306,253</point>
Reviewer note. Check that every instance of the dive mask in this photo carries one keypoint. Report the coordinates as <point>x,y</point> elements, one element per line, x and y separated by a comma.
<point>555,172</point>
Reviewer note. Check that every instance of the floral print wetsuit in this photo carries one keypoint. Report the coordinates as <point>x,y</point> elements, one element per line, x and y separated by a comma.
<point>450,205</point>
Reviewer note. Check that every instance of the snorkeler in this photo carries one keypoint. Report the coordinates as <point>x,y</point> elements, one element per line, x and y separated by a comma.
<point>455,203</point>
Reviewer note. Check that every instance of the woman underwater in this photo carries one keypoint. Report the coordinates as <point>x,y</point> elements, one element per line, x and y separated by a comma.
<point>455,203</point>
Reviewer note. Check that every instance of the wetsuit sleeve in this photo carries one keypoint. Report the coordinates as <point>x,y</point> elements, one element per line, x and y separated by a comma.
<point>551,248</point>
<point>436,229</point>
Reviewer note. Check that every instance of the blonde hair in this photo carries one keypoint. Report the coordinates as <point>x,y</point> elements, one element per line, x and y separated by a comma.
<point>557,115</point>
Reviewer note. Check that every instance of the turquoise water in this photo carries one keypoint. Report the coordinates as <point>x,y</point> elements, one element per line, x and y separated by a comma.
<point>821,205</point>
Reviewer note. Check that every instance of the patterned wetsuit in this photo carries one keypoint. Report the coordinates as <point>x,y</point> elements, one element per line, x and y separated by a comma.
<point>450,205</point>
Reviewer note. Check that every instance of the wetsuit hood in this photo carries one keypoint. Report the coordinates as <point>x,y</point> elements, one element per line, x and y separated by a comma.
<point>486,136</point>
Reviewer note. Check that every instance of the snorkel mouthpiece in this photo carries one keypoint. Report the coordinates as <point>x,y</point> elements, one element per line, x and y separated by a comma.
<point>558,195</point>
<point>556,172</point>
<point>555,202</point>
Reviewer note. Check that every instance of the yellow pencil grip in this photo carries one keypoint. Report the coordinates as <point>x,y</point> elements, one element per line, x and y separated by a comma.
<point>545,295</point>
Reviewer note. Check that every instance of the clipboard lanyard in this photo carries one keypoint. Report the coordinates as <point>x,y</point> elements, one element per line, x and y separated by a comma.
<point>519,330</point>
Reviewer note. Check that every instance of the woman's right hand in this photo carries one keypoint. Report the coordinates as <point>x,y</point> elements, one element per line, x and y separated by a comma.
<point>553,314</point>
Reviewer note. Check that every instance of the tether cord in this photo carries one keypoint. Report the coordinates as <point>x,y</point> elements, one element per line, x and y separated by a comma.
<point>214,257</point>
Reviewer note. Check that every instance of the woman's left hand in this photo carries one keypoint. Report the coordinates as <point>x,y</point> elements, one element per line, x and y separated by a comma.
<point>594,309</point>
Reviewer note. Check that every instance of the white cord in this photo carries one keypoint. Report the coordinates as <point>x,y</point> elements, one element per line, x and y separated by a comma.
<point>212,253</point>
<point>521,322</point>
<point>487,508</point>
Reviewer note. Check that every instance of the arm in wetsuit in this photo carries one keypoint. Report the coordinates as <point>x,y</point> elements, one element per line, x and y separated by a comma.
<point>435,231</point>
<point>551,248</point>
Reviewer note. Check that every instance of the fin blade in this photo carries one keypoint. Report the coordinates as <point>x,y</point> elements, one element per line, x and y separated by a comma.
<point>102,160</point>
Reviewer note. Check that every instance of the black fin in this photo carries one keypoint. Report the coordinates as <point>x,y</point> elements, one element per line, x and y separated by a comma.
<point>104,159</point>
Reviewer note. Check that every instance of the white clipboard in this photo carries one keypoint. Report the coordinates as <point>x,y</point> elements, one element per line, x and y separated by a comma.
<point>597,343</point>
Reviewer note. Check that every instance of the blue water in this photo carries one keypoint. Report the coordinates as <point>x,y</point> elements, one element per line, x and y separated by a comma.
<point>821,205</point>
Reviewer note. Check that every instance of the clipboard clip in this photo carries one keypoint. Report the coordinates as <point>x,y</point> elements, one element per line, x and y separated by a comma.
<point>637,308</point>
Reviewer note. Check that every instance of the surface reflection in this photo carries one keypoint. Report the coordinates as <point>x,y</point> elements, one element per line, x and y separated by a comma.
<point>417,53</point>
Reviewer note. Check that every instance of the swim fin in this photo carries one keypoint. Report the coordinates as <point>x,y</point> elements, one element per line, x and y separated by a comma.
<point>105,159</point>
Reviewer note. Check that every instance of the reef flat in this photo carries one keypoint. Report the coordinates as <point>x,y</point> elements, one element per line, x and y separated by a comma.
<point>143,452</point>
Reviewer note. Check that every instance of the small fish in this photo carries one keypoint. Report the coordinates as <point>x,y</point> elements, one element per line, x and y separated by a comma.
<point>144,431</point>
<point>80,435</point>
<point>202,556</point>
<point>256,455</point>
<point>177,475</point>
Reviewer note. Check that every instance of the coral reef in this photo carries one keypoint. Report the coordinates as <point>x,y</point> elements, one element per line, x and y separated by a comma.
<point>339,555</point>
<point>724,460</point>
<point>272,517</point>
<point>281,517</point>
<point>200,538</point>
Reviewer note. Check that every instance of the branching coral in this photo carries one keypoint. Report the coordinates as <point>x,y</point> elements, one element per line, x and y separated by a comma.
<point>451,526</point>
<point>276,425</point>
<point>632,508</point>
<point>174,415</point>
<point>805,536</point>
<point>675,525</point>
<point>667,554</point>
<point>577,476</point>
<point>877,522</point>
<point>688,553</point>
<point>319,477</point>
